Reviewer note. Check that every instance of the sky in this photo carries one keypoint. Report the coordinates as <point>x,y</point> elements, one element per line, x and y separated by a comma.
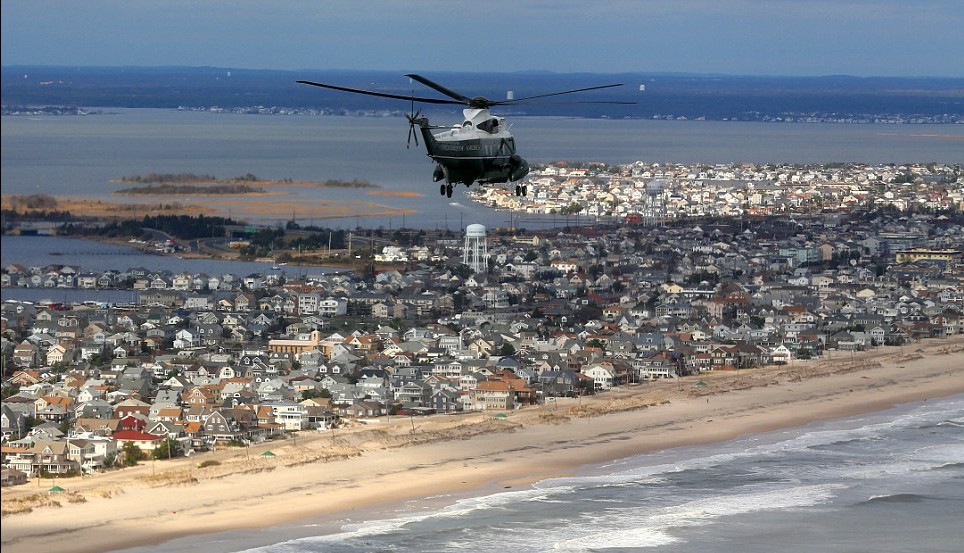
<point>899,38</point>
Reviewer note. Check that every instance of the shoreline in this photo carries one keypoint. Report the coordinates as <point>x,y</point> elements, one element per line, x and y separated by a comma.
<point>382,465</point>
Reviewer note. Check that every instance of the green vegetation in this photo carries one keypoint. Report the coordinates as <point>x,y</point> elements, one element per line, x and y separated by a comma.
<point>132,454</point>
<point>167,449</point>
<point>187,178</point>
<point>183,227</point>
<point>313,393</point>
<point>571,209</point>
<point>189,189</point>
<point>8,389</point>
<point>182,183</point>
<point>33,201</point>
<point>355,183</point>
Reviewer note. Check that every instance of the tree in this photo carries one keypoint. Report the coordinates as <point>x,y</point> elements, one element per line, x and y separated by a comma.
<point>9,390</point>
<point>167,449</point>
<point>506,349</point>
<point>313,393</point>
<point>132,454</point>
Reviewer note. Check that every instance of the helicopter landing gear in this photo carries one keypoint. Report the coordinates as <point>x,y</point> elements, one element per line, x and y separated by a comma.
<point>441,189</point>
<point>445,190</point>
<point>521,190</point>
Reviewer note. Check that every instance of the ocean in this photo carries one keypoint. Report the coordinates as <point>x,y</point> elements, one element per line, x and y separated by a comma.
<point>81,155</point>
<point>885,482</point>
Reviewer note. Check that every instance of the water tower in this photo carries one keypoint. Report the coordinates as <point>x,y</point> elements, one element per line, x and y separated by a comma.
<point>654,208</point>
<point>476,253</point>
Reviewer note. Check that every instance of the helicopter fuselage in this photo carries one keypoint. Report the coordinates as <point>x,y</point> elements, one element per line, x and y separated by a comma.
<point>479,150</point>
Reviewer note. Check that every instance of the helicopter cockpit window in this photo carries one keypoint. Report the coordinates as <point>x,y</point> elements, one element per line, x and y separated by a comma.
<point>490,125</point>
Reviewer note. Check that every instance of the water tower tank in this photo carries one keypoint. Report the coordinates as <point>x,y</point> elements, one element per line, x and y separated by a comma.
<point>655,187</point>
<point>475,231</point>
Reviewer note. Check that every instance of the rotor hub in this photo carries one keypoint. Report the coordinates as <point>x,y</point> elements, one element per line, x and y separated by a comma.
<point>480,102</point>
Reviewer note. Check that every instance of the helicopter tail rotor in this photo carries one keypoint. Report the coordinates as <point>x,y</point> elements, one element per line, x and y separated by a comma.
<point>413,119</point>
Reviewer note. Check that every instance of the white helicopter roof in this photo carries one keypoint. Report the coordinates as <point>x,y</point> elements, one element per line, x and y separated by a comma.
<point>477,123</point>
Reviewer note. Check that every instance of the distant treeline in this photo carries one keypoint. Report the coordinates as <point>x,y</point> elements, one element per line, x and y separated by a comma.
<point>32,201</point>
<point>355,183</point>
<point>186,178</point>
<point>11,216</point>
<point>184,183</point>
<point>188,189</point>
<point>182,227</point>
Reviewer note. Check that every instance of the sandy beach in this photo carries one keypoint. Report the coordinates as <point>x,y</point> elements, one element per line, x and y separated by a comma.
<point>388,462</point>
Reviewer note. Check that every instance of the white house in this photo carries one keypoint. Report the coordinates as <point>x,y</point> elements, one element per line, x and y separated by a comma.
<point>602,377</point>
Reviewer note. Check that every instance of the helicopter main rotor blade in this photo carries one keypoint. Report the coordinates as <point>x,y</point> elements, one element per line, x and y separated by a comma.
<point>439,88</point>
<point>517,100</point>
<point>383,94</point>
<point>576,102</point>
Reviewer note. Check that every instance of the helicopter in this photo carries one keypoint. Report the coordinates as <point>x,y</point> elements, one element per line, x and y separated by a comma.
<point>481,149</point>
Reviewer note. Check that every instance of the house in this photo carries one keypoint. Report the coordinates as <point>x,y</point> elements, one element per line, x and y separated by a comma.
<point>291,415</point>
<point>602,376</point>
<point>144,441</point>
<point>558,382</point>
<point>317,413</point>
<point>366,408</point>
<point>298,344</point>
<point>445,401</point>
<point>26,354</point>
<point>45,457</point>
<point>220,427</point>
<point>656,365</point>
<point>13,422</point>
<point>12,477</point>
<point>60,353</point>
<point>492,394</point>
<point>781,355</point>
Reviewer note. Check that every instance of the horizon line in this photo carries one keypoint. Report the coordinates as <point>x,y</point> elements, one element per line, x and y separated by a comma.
<point>506,72</point>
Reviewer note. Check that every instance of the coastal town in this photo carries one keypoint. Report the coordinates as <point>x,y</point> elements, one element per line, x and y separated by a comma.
<point>656,192</point>
<point>713,269</point>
